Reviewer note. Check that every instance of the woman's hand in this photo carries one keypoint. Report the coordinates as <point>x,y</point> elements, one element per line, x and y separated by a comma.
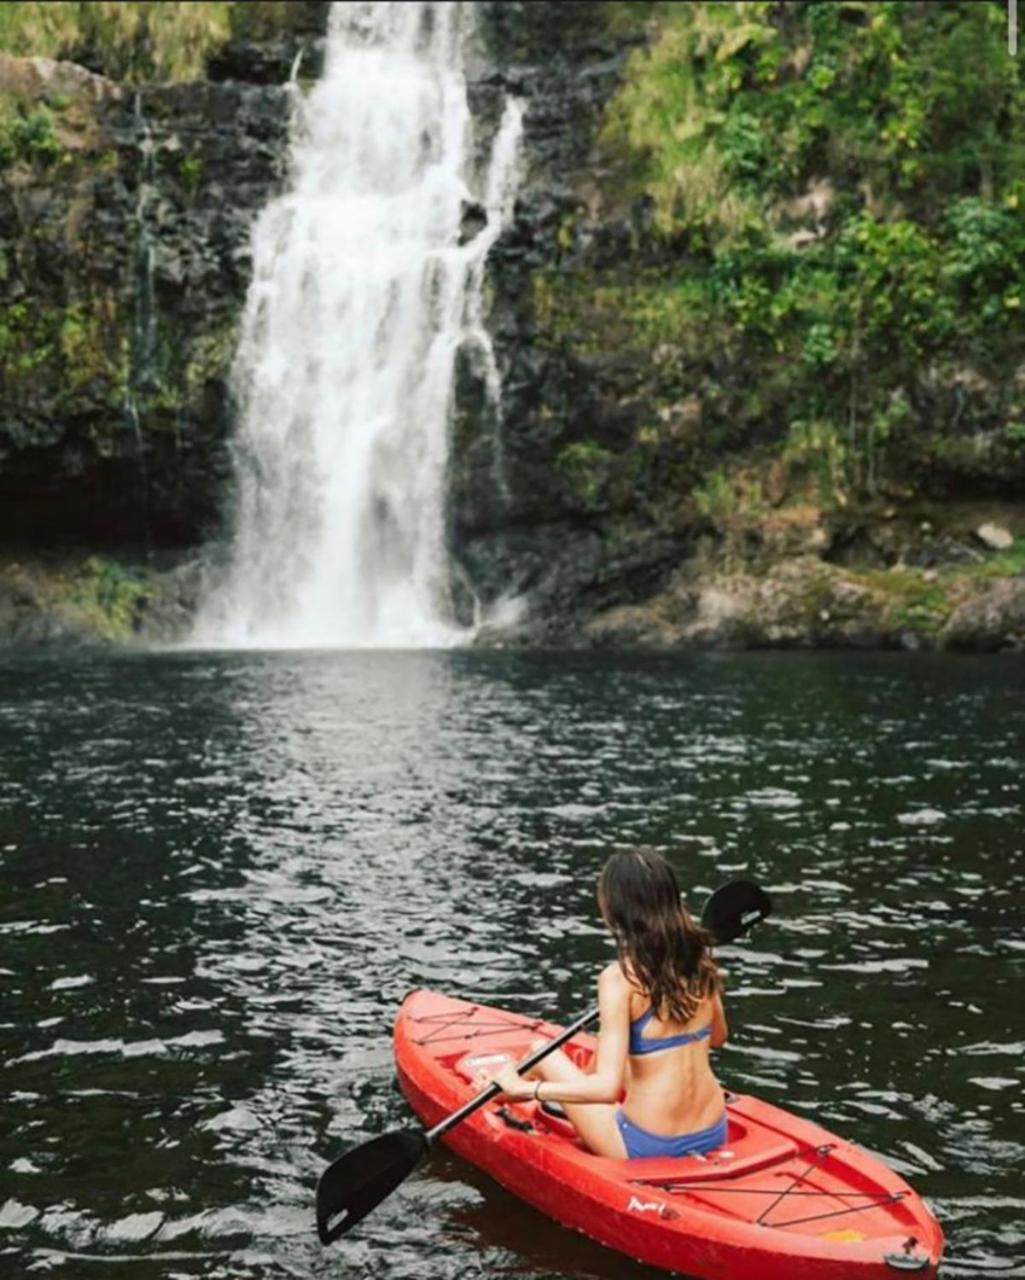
<point>513,1085</point>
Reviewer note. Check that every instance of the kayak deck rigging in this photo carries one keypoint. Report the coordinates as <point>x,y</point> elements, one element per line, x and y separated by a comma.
<point>676,1186</point>
<point>494,1024</point>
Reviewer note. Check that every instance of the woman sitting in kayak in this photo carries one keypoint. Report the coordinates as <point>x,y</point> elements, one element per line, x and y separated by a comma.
<point>661,1011</point>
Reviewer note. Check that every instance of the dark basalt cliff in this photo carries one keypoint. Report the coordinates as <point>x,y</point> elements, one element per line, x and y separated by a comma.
<point>523,526</point>
<point>124,277</point>
<point>124,238</point>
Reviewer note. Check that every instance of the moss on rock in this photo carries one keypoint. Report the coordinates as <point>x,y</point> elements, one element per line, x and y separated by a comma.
<point>74,598</point>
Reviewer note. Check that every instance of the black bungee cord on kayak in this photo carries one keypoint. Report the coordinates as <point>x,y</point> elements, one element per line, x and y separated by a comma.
<point>444,1022</point>
<point>789,1192</point>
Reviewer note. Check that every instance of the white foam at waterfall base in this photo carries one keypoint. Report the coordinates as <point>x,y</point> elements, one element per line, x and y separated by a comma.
<point>361,296</point>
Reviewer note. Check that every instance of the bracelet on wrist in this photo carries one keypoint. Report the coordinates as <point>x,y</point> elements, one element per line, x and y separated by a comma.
<point>537,1091</point>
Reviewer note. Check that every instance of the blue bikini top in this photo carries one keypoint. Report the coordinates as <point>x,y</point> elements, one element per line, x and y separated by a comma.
<point>640,1043</point>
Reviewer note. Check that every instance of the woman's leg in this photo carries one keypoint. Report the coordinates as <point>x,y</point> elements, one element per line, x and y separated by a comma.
<point>594,1121</point>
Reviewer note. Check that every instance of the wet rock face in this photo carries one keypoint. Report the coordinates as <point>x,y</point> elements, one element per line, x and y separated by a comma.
<point>116,412</point>
<point>991,620</point>
<point>521,522</point>
<point>272,42</point>
<point>125,217</point>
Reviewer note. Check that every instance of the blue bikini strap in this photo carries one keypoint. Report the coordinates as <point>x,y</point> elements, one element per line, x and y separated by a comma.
<point>640,1023</point>
<point>650,1044</point>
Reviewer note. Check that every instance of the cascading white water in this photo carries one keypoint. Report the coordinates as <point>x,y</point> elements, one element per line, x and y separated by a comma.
<point>361,295</point>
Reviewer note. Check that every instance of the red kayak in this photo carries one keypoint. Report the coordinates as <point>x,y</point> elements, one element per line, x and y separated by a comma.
<point>783,1200</point>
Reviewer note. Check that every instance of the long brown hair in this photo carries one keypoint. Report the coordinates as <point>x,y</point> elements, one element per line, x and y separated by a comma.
<point>663,950</point>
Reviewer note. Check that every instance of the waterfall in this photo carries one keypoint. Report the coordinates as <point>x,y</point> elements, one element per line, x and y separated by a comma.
<point>360,298</point>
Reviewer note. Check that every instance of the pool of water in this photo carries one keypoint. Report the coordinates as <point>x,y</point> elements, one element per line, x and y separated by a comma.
<point>219,873</point>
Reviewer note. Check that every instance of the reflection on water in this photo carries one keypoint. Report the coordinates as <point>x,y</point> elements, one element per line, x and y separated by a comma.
<point>221,873</point>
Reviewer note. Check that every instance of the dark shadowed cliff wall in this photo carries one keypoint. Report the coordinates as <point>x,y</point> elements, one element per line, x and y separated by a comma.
<point>124,220</point>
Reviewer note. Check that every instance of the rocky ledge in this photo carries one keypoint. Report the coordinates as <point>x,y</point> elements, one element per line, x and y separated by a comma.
<point>929,580</point>
<point>955,584</point>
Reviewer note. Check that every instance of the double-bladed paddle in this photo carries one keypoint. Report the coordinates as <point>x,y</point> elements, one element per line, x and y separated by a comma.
<point>358,1181</point>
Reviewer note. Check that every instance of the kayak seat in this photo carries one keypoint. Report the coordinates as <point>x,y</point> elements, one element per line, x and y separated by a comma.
<point>729,1161</point>
<point>553,1116</point>
<point>734,1159</point>
<point>721,1164</point>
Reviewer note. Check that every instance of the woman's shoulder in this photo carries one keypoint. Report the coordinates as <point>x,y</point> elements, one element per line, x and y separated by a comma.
<point>614,992</point>
<point>612,979</point>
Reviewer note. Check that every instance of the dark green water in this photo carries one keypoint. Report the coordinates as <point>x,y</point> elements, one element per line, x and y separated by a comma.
<point>220,873</point>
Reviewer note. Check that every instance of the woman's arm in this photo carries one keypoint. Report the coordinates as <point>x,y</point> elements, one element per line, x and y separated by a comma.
<point>720,1031</point>
<point>605,1083</point>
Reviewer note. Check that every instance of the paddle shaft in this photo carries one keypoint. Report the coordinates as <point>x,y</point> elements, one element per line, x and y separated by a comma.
<point>494,1089</point>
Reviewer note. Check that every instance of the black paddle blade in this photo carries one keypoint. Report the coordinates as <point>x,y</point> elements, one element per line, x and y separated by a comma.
<point>358,1181</point>
<point>734,908</point>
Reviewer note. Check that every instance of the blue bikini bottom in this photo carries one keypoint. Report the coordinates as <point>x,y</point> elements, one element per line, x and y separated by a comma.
<point>640,1143</point>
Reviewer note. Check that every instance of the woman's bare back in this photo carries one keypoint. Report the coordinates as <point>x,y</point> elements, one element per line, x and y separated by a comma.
<point>673,1090</point>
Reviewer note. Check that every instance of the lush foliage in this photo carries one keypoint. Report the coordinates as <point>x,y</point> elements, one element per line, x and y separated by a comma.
<point>81,339</point>
<point>844,186</point>
<point>110,597</point>
<point>26,132</point>
<point>128,39</point>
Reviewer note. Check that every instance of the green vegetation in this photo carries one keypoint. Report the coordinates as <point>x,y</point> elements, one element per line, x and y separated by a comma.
<point>839,192</point>
<point>192,173</point>
<point>916,600</point>
<point>638,308</point>
<point>83,337</point>
<point>716,498</point>
<point>737,104</point>
<point>26,133</point>
<point>818,450</point>
<point>86,348</point>
<point>26,341</point>
<point>1007,563</point>
<point>131,40</point>
<point>586,467</point>
<point>922,600</point>
<point>110,597</point>
<point>92,347</point>
<point>209,355</point>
